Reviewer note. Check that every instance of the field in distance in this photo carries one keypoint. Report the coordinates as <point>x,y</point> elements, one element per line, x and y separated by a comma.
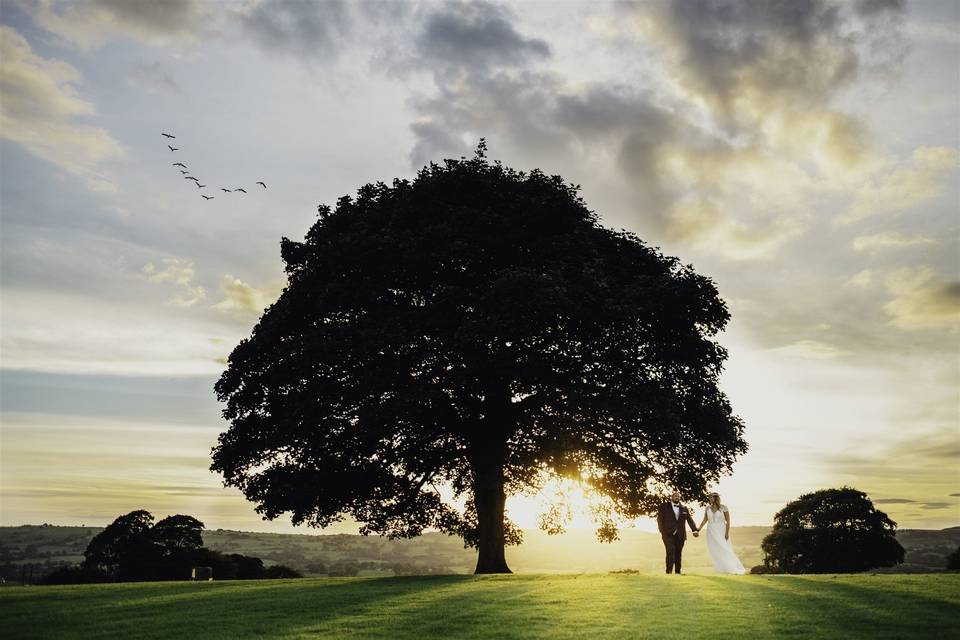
<point>511,606</point>
<point>47,547</point>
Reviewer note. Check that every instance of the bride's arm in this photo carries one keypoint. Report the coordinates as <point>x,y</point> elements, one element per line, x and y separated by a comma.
<point>704,521</point>
<point>726,533</point>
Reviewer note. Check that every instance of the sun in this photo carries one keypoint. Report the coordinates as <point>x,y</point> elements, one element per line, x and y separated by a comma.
<point>570,499</point>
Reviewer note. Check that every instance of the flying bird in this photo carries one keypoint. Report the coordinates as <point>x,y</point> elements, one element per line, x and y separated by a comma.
<point>190,178</point>
<point>167,135</point>
<point>184,172</point>
<point>240,189</point>
<point>178,164</point>
<point>200,186</point>
<point>207,197</point>
<point>262,185</point>
<point>173,148</point>
<point>227,190</point>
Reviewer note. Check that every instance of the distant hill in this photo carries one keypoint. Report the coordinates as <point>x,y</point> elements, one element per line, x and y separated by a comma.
<point>45,547</point>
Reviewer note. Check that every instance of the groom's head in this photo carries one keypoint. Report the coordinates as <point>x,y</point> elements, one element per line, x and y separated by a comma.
<point>675,497</point>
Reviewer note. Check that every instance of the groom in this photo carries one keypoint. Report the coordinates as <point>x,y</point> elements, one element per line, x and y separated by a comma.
<point>672,519</point>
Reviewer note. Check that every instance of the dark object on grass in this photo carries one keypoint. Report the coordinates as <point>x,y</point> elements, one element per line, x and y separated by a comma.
<point>832,531</point>
<point>477,327</point>
<point>202,573</point>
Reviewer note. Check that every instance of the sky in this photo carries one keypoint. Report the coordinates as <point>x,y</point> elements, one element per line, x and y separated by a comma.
<point>804,155</point>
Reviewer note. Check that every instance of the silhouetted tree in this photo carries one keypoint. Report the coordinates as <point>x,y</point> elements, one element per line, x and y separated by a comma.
<point>178,533</point>
<point>246,567</point>
<point>953,561</point>
<point>831,531</point>
<point>125,549</point>
<point>475,327</point>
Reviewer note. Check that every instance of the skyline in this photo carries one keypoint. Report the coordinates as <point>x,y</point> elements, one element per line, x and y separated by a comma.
<point>804,156</point>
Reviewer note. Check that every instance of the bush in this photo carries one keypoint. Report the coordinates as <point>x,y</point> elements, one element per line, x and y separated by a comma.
<point>281,571</point>
<point>953,561</point>
<point>76,574</point>
<point>761,569</point>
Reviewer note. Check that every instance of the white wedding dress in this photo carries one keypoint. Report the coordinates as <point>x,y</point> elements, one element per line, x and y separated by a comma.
<point>721,550</point>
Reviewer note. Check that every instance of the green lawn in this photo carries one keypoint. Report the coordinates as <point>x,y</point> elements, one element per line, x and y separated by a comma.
<point>513,606</point>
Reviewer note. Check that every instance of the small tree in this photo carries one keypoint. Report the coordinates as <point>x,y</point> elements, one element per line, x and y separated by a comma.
<point>831,531</point>
<point>476,328</point>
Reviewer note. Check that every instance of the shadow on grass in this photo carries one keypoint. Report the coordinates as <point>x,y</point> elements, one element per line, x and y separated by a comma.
<point>466,606</point>
<point>804,606</point>
<point>227,609</point>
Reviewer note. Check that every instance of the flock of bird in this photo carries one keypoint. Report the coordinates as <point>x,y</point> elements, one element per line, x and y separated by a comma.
<point>187,176</point>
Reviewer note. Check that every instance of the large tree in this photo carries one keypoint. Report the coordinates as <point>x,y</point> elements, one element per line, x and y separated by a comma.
<point>831,531</point>
<point>475,328</point>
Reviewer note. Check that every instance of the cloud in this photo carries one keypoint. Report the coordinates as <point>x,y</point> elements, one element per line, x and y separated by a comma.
<point>888,240</point>
<point>475,36</point>
<point>755,139</point>
<point>480,65</point>
<point>93,23</point>
<point>905,186</point>
<point>181,273</point>
<point>810,349</point>
<point>153,78</point>
<point>40,108</point>
<point>910,465</point>
<point>746,60</point>
<point>246,300</point>
<point>678,174</point>
<point>729,151</point>
<point>304,29</point>
<point>936,505</point>
<point>922,300</point>
<point>861,279</point>
<point>704,223</point>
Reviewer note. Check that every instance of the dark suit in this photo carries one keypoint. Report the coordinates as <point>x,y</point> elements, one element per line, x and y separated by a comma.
<point>673,530</point>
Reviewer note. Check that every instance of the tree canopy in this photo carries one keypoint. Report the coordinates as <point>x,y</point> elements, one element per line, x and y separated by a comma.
<point>831,531</point>
<point>133,547</point>
<point>475,328</point>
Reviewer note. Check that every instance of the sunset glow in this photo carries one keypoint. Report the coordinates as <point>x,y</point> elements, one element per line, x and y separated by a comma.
<point>815,178</point>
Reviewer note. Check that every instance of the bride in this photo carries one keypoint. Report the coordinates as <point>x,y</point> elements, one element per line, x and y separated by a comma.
<point>718,537</point>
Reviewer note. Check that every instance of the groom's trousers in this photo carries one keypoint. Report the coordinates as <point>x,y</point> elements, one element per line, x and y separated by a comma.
<point>674,547</point>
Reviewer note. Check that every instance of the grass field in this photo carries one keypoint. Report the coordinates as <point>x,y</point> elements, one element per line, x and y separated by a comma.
<point>512,606</point>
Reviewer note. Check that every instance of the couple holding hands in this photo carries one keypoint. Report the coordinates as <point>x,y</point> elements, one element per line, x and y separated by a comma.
<point>672,520</point>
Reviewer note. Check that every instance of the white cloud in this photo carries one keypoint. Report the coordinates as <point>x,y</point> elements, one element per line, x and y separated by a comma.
<point>922,300</point>
<point>244,299</point>
<point>810,349</point>
<point>905,186</point>
<point>888,240</point>
<point>93,23</point>
<point>181,273</point>
<point>39,110</point>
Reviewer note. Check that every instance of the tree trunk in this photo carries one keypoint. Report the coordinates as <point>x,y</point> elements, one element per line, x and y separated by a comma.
<point>489,499</point>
